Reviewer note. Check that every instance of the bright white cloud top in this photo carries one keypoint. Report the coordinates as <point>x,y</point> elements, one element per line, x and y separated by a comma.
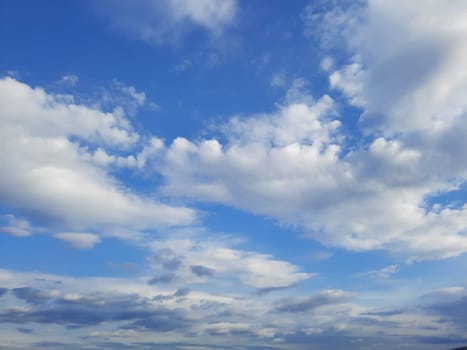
<point>225,174</point>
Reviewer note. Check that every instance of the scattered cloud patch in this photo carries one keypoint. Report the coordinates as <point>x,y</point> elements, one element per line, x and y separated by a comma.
<point>320,255</point>
<point>278,80</point>
<point>168,21</point>
<point>46,143</point>
<point>69,80</point>
<point>385,272</point>
<point>79,240</point>
<point>13,226</point>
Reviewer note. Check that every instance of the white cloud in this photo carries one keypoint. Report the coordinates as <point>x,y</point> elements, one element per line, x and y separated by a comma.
<point>326,64</point>
<point>168,20</point>
<point>320,255</point>
<point>11,225</point>
<point>385,272</point>
<point>79,240</point>
<point>291,165</point>
<point>69,80</point>
<point>52,172</point>
<point>278,80</point>
<point>217,256</point>
<point>122,99</point>
<point>183,65</point>
<point>407,67</point>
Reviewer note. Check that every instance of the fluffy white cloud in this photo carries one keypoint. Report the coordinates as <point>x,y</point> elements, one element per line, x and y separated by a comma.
<point>296,166</point>
<point>168,20</point>
<point>407,64</point>
<point>51,171</point>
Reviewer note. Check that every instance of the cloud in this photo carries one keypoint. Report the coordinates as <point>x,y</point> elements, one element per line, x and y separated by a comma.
<point>202,271</point>
<point>69,80</point>
<point>449,304</point>
<point>120,96</point>
<point>219,259</point>
<point>166,278</point>
<point>172,264</point>
<point>183,65</point>
<point>294,165</point>
<point>320,255</point>
<point>182,292</point>
<point>32,295</point>
<point>278,80</point>
<point>128,311</point>
<point>90,312</point>
<point>15,227</point>
<point>53,176</point>
<point>299,166</point>
<point>79,240</point>
<point>385,272</point>
<point>400,91</point>
<point>167,21</point>
<point>324,298</point>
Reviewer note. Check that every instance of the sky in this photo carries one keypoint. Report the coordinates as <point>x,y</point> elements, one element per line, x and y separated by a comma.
<point>233,174</point>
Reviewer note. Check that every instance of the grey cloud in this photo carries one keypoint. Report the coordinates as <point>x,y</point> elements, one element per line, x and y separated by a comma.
<point>166,278</point>
<point>444,340</point>
<point>313,302</point>
<point>182,292</point>
<point>172,264</point>
<point>31,295</point>
<point>25,330</point>
<point>164,320</point>
<point>95,310</point>
<point>451,310</point>
<point>202,271</point>
<point>49,344</point>
<point>267,290</point>
<point>384,313</point>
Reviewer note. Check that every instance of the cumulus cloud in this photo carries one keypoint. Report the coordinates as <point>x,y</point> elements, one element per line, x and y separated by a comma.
<point>407,63</point>
<point>52,174</point>
<point>296,165</point>
<point>165,21</point>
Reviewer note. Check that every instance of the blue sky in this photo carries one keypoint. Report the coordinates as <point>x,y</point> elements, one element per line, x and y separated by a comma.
<point>232,174</point>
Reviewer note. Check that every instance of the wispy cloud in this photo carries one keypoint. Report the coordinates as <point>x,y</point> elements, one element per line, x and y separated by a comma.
<point>168,21</point>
